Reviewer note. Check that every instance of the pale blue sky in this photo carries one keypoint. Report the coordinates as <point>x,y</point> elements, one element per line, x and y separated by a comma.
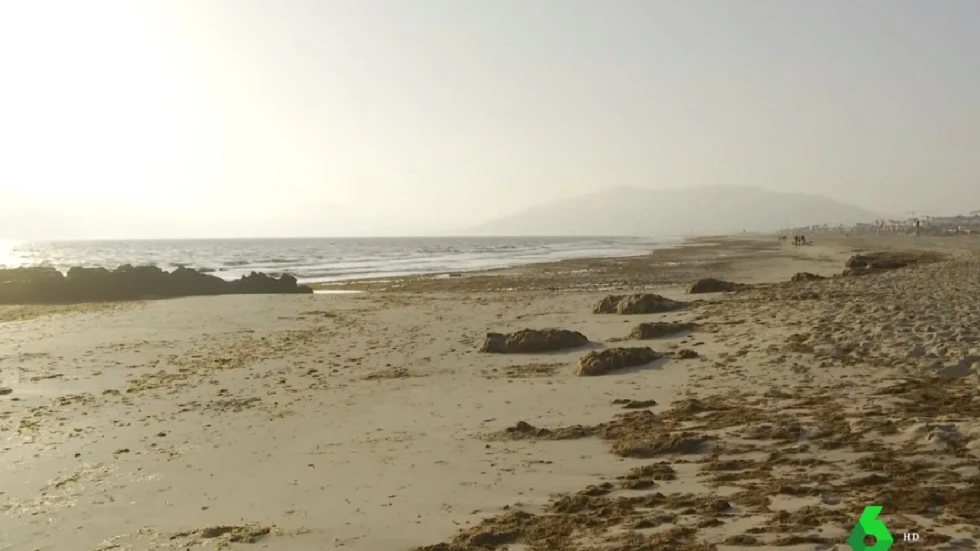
<point>135,118</point>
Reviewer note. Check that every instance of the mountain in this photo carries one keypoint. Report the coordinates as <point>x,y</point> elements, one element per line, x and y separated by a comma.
<point>675,212</point>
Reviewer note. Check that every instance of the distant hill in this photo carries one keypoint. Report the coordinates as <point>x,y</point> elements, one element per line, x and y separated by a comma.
<point>674,212</point>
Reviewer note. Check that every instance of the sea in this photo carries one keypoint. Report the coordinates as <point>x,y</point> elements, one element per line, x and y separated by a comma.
<point>323,260</point>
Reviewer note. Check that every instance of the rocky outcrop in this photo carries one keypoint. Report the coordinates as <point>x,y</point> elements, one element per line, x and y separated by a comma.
<point>643,303</point>
<point>529,341</point>
<point>49,286</point>
<point>865,263</point>
<point>712,285</point>
<point>605,361</point>
<point>658,329</point>
<point>806,276</point>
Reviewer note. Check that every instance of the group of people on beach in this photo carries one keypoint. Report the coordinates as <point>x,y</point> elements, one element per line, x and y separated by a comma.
<point>797,239</point>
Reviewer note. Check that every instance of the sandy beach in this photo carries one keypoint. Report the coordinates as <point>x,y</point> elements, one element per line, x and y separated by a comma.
<point>371,421</point>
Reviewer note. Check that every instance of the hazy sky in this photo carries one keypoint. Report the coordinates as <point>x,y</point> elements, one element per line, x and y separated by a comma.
<point>178,117</point>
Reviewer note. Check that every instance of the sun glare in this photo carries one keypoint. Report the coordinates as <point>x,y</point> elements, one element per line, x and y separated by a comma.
<point>8,258</point>
<point>99,91</point>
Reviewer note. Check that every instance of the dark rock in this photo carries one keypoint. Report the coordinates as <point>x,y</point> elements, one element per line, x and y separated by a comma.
<point>686,354</point>
<point>528,341</point>
<point>526,429</point>
<point>644,303</point>
<point>634,404</point>
<point>712,285</point>
<point>601,362</point>
<point>860,264</point>
<point>658,329</point>
<point>257,283</point>
<point>806,276</point>
<point>23,275</point>
<point>49,286</point>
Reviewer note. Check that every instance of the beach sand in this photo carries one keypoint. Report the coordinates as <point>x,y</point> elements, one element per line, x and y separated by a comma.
<point>372,422</point>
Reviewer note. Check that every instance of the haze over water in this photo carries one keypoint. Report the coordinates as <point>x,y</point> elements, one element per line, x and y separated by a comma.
<point>236,118</point>
<point>314,260</point>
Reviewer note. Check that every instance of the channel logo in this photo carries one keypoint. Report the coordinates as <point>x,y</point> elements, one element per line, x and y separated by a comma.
<point>870,527</point>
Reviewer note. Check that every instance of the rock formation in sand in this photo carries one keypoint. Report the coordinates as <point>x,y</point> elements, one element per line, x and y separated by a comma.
<point>712,285</point>
<point>601,362</point>
<point>226,535</point>
<point>45,285</point>
<point>806,276</point>
<point>627,403</point>
<point>527,341</point>
<point>860,264</point>
<point>658,329</point>
<point>645,303</point>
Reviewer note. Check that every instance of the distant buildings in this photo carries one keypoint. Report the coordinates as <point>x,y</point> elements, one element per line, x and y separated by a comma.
<point>968,224</point>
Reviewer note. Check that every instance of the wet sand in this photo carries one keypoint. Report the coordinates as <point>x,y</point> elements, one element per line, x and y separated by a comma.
<point>372,422</point>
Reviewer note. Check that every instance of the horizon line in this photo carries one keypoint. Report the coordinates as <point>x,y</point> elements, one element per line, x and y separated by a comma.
<point>344,237</point>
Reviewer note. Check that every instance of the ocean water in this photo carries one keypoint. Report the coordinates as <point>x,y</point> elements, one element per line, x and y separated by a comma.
<point>316,260</point>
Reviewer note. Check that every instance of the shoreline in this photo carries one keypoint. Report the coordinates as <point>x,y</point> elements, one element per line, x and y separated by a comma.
<point>372,421</point>
<point>401,276</point>
<point>677,264</point>
<point>322,260</point>
<point>676,247</point>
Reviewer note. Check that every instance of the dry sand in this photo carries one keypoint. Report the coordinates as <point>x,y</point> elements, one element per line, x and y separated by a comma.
<point>371,421</point>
